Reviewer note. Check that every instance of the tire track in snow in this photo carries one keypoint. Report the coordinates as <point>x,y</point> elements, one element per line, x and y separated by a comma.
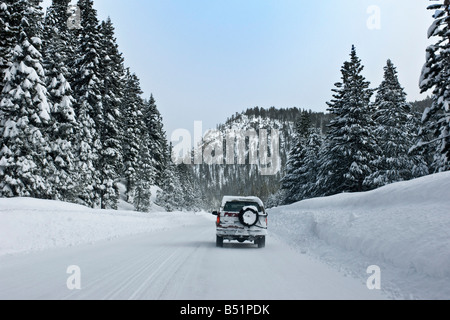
<point>177,264</point>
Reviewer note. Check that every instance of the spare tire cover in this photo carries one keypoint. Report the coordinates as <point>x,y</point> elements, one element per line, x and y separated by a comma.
<point>248,217</point>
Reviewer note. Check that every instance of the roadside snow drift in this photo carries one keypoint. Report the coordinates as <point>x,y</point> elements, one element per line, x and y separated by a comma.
<point>29,224</point>
<point>404,228</point>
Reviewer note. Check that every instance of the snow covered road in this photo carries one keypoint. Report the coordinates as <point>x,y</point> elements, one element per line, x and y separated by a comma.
<point>317,249</point>
<point>176,264</point>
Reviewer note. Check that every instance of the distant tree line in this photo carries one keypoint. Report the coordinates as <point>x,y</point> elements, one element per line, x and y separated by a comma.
<point>320,120</point>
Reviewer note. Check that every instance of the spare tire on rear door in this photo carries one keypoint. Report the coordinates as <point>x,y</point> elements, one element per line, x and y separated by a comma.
<point>249,216</point>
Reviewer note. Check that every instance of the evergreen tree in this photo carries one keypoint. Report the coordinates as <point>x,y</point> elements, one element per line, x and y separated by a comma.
<point>110,153</point>
<point>171,196</point>
<point>132,110</point>
<point>179,188</point>
<point>55,23</point>
<point>57,35</point>
<point>144,176</point>
<point>301,168</point>
<point>11,12</point>
<point>6,45</point>
<point>25,111</point>
<point>63,124</point>
<point>7,39</point>
<point>153,154</point>
<point>291,182</point>
<point>436,76</point>
<point>276,199</point>
<point>190,196</point>
<point>87,92</point>
<point>157,139</point>
<point>73,42</point>
<point>396,134</point>
<point>350,146</point>
<point>310,167</point>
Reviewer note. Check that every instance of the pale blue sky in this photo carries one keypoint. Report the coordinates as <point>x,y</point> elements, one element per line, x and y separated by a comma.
<point>207,59</point>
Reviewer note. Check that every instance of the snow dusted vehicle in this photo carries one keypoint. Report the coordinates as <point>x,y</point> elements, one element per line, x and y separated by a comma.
<point>241,219</point>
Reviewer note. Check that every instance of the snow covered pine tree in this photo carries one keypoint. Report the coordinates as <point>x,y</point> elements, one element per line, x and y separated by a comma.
<point>158,145</point>
<point>350,148</point>
<point>435,134</point>
<point>132,111</point>
<point>7,38</point>
<point>110,155</point>
<point>25,111</point>
<point>63,124</point>
<point>301,168</point>
<point>87,92</point>
<point>396,130</point>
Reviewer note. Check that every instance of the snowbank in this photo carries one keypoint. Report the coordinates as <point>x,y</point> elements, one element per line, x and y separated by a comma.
<point>29,224</point>
<point>403,228</point>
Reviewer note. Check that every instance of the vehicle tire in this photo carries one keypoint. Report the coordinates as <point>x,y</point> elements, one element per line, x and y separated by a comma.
<point>248,217</point>
<point>261,242</point>
<point>219,242</point>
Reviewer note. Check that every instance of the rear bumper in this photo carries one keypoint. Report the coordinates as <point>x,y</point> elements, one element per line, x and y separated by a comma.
<point>233,233</point>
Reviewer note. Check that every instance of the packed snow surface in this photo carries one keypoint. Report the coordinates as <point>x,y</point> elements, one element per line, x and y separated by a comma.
<point>404,228</point>
<point>29,224</point>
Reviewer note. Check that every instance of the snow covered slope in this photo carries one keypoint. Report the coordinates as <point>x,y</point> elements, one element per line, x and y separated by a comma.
<point>404,228</point>
<point>29,224</point>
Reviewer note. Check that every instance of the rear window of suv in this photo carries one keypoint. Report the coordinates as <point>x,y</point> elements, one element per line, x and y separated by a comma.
<point>236,206</point>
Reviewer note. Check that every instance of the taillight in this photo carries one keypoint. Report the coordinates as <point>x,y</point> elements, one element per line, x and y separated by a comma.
<point>218,220</point>
<point>267,224</point>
